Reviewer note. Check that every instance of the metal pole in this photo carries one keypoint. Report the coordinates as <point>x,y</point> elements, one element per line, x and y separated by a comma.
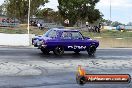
<point>29,17</point>
<point>28,28</point>
<point>110,10</point>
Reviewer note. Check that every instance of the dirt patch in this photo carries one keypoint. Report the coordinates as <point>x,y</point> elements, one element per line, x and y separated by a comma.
<point>115,42</point>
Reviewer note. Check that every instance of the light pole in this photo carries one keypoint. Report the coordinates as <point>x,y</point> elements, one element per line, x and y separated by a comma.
<point>110,10</point>
<point>28,28</point>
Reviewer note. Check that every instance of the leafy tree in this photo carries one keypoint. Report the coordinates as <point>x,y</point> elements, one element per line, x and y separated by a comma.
<point>19,8</point>
<point>111,23</point>
<point>116,23</point>
<point>106,22</point>
<point>49,14</point>
<point>129,24</point>
<point>79,10</point>
<point>2,9</point>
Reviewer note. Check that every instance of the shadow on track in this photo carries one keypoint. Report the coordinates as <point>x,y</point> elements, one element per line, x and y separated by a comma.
<point>67,55</point>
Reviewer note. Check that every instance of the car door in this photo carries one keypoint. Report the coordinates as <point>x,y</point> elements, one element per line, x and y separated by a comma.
<point>78,41</point>
<point>67,41</point>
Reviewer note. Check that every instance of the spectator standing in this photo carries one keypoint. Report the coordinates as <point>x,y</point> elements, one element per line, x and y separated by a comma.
<point>99,28</point>
<point>96,29</point>
<point>41,26</point>
<point>38,25</point>
<point>66,22</point>
<point>87,26</point>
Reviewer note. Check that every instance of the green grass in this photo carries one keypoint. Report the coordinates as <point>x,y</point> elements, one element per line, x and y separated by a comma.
<point>12,31</point>
<point>22,30</point>
<point>108,33</point>
<point>35,30</point>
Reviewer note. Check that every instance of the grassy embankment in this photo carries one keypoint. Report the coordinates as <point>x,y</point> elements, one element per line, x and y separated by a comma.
<point>22,29</point>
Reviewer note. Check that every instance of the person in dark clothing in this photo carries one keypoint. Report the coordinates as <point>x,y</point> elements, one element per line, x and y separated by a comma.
<point>99,28</point>
<point>96,28</point>
<point>41,26</point>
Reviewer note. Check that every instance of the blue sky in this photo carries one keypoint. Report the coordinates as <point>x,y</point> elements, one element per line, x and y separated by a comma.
<point>121,9</point>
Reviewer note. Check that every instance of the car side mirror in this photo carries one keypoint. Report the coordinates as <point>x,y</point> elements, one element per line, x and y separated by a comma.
<point>86,37</point>
<point>80,38</point>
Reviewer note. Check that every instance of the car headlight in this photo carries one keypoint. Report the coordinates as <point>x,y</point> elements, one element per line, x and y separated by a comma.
<point>41,42</point>
<point>90,39</point>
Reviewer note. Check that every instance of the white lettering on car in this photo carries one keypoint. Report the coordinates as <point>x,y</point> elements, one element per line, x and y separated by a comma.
<point>77,47</point>
<point>70,46</point>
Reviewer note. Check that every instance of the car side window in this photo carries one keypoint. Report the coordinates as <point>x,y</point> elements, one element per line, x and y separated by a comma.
<point>52,34</point>
<point>76,35</point>
<point>66,35</point>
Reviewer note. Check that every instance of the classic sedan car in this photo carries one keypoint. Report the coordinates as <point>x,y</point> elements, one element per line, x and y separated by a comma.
<point>60,40</point>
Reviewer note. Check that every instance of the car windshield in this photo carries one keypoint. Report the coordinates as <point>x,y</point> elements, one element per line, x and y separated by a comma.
<point>51,34</point>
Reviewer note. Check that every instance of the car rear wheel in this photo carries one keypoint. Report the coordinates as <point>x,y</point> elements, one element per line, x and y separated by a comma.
<point>45,51</point>
<point>91,50</point>
<point>59,50</point>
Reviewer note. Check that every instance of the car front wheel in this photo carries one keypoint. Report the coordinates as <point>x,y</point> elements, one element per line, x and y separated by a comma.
<point>91,50</point>
<point>45,51</point>
<point>59,50</point>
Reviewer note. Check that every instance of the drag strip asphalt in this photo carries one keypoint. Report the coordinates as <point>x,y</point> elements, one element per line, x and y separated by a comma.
<point>29,68</point>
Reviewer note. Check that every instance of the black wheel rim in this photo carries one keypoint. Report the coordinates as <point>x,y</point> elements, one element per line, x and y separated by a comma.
<point>92,50</point>
<point>59,50</point>
<point>45,51</point>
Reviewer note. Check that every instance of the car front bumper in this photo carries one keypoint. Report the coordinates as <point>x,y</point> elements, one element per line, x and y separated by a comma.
<point>42,46</point>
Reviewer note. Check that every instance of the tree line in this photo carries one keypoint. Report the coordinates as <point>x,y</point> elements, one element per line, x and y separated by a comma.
<point>74,10</point>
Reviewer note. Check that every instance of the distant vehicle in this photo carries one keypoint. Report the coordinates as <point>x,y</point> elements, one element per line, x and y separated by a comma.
<point>60,40</point>
<point>124,27</point>
<point>120,27</point>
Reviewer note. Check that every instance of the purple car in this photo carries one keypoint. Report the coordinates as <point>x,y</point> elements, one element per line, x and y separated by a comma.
<point>60,40</point>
